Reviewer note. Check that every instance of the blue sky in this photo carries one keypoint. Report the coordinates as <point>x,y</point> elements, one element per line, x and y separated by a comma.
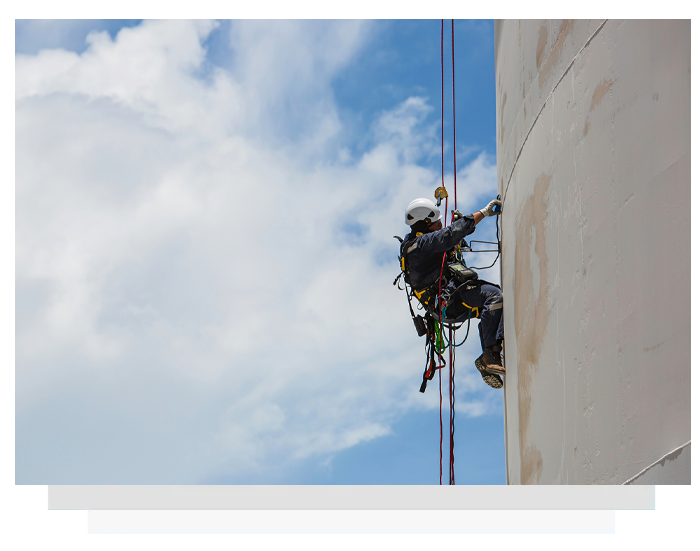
<point>204,222</point>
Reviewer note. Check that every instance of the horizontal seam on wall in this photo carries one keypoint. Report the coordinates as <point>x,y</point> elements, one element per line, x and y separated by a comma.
<point>640,473</point>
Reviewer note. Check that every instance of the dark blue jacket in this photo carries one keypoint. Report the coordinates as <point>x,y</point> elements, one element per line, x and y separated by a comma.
<point>423,253</point>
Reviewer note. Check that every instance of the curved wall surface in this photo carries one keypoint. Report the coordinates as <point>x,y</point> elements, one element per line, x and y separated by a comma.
<point>594,169</point>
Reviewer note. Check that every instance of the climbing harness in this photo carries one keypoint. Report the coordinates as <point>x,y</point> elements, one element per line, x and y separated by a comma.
<point>437,297</point>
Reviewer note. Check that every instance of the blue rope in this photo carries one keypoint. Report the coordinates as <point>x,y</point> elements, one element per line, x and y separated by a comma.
<point>442,330</point>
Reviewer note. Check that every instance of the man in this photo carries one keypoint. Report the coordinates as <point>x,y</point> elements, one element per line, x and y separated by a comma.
<point>423,249</point>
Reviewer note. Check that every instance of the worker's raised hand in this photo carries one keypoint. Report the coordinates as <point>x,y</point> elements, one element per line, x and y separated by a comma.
<point>456,215</point>
<point>493,208</point>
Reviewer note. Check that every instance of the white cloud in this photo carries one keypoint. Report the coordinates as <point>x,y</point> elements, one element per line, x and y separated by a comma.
<point>181,267</point>
<point>399,129</point>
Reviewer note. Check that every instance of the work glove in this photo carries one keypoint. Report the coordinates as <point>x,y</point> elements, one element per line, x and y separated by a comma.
<point>456,215</point>
<point>493,208</point>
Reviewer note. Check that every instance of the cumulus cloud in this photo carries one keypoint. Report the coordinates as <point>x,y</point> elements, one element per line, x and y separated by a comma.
<point>203,285</point>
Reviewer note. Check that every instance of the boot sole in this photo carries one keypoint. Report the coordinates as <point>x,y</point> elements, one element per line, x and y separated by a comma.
<point>494,381</point>
<point>482,366</point>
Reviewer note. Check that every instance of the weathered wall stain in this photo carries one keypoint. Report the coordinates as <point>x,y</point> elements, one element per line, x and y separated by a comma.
<point>555,53</point>
<point>533,459</point>
<point>598,95</point>
<point>541,44</point>
<point>650,348</point>
<point>531,314</point>
<point>503,106</point>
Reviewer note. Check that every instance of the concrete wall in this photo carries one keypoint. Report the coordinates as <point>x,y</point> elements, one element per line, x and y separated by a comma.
<point>594,167</point>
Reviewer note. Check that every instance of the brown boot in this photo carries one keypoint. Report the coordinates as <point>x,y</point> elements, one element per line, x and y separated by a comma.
<point>494,381</point>
<point>491,360</point>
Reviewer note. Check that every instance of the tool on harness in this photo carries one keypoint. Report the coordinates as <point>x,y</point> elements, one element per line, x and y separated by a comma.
<point>435,346</point>
<point>417,320</point>
<point>460,272</point>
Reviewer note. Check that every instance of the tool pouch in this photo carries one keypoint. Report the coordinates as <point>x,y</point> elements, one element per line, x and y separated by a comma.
<point>420,326</point>
<point>461,273</point>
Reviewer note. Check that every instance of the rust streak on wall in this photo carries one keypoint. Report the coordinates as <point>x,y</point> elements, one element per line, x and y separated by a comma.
<point>541,45</point>
<point>532,313</point>
<point>598,95</point>
<point>555,53</point>
<point>503,105</point>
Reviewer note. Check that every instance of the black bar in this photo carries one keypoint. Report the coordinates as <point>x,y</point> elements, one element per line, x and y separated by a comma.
<point>32,516</point>
<point>672,514</point>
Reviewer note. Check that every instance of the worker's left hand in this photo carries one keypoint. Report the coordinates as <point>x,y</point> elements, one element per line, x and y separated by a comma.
<point>456,215</point>
<point>490,209</point>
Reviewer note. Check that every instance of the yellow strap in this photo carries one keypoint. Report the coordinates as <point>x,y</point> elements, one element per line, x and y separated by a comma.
<point>472,308</point>
<point>421,293</point>
<point>403,264</point>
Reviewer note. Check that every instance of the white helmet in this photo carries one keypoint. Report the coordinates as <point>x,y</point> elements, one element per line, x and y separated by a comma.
<point>422,209</point>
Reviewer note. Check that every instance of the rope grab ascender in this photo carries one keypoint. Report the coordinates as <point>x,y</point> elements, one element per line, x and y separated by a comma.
<point>441,295</point>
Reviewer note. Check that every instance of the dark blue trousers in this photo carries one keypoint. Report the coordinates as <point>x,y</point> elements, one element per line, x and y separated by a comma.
<point>489,300</point>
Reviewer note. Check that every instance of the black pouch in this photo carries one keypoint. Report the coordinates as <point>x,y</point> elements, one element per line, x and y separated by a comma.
<point>461,273</point>
<point>420,326</point>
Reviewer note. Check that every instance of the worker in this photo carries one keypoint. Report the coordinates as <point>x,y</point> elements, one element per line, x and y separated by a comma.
<point>423,250</point>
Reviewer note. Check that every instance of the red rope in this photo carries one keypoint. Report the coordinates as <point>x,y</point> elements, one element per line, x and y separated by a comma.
<point>452,414</point>
<point>442,172</point>
<point>451,331</point>
<point>440,383</point>
<point>454,126</point>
